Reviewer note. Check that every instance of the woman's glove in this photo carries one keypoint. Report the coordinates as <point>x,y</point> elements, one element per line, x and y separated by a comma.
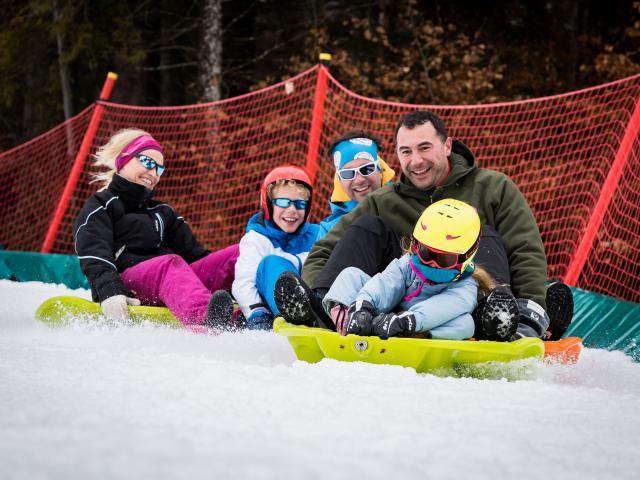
<point>115,308</point>
<point>401,324</point>
<point>360,315</point>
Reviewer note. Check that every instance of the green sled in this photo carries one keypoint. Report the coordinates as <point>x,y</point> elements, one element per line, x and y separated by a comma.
<point>61,310</point>
<point>462,357</point>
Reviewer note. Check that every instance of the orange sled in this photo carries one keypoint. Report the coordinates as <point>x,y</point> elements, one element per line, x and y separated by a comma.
<point>566,350</point>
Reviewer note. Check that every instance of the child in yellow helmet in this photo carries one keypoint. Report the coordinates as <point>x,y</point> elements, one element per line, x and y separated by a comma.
<point>432,289</point>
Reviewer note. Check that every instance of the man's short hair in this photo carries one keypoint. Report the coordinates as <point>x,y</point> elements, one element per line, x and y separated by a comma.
<point>413,119</point>
<point>351,135</point>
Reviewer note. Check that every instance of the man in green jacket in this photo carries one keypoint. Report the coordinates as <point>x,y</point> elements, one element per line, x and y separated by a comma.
<point>434,167</point>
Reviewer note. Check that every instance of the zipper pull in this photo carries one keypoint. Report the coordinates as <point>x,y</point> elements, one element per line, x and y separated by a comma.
<point>119,252</point>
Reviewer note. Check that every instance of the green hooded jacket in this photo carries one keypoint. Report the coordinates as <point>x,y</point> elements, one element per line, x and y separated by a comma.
<point>499,203</point>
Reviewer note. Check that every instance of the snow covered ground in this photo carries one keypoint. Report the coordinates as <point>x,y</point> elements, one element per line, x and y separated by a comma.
<point>97,401</point>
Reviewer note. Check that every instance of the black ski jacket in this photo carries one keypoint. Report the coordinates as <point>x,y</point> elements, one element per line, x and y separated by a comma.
<point>122,226</point>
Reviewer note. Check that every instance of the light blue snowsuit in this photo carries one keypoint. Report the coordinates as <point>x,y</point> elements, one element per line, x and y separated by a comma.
<point>444,308</point>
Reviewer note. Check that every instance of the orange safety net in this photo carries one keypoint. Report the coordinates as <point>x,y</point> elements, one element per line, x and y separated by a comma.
<point>32,178</point>
<point>575,157</point>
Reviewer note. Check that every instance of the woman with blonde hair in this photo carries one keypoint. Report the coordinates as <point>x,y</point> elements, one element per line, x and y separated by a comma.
<point>135,249</point>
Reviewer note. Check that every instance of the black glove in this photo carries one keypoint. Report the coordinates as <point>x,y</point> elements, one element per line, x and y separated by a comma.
<point>387,325</point>
<point>360,315</point>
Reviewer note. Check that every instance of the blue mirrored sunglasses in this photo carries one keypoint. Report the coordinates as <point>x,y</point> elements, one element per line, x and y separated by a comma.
<point>149,163</point>
<point>364,170</point>
<point>285,202</point>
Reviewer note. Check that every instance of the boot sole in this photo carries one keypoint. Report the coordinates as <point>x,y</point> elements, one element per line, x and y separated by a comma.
<point>293,300</point>
<point>559,308</point>
<point>500,316</point>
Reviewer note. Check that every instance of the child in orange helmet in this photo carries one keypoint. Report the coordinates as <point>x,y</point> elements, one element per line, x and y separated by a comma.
<point>278,239</point>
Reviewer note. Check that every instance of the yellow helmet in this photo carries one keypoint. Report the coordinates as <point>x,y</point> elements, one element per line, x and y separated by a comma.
<point>447,234</point>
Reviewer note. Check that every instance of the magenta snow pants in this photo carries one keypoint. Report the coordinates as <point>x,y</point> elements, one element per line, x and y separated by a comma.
<point>184,289</point>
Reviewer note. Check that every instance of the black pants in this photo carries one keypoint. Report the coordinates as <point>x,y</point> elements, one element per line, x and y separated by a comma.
<point>370,245</point>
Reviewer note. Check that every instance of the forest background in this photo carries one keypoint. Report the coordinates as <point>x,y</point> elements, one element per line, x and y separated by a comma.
<point>54,54</point>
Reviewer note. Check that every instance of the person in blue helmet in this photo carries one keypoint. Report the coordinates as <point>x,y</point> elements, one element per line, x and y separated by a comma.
<point>359,171</point>
<point>278,238</point>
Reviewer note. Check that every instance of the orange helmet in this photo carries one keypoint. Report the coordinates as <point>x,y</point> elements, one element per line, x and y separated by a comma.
<point>284,172</point>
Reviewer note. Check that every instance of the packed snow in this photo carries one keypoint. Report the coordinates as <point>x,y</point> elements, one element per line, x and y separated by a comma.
<point>92,400</point>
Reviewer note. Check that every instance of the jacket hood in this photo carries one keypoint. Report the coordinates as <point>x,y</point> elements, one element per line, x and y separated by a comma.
<point>298,242</point>
<point>342,208</point>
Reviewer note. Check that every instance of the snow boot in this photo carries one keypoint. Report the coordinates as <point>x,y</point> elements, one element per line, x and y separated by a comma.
<point>263,321</point>
<point>560,310</point>
<point>238,320</point>
<point>499,315</point>
<point>533,321</point>
<point>219,310</point>
<point>298,304</point>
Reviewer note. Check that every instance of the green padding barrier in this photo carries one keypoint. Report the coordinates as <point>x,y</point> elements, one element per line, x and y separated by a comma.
<point>40,267</point>
<point>604,322</point>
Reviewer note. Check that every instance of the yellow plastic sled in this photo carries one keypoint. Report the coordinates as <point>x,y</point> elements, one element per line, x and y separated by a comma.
<point>314,344</point>
<point>60,310</point>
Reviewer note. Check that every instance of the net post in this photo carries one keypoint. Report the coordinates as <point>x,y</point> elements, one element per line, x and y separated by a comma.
<point>606,194</point>
<point>317,115</point>
<point>78,164</point>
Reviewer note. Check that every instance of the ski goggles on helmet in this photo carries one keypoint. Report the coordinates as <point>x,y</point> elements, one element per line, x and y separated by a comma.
<point>364,170</point>
<point>439,259</point>
<point>149,163</point>
<point>285,202</point>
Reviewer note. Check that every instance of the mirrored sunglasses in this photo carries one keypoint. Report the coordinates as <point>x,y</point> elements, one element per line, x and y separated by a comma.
<point>149,163</point>
<point>364,170</point>
<point>285,202</point>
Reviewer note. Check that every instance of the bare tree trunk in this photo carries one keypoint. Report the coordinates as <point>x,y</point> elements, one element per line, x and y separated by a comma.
<point>211,50</point>
<point>383,17</point>
<point>383,23</point>
<point>563,19</point>
<point>65,83</point>
<point>28,118</point>
<point>166,92</point>
<point>63,68</point>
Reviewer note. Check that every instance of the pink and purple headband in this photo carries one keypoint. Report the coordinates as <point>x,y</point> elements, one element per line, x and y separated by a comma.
<point>137,145</point>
